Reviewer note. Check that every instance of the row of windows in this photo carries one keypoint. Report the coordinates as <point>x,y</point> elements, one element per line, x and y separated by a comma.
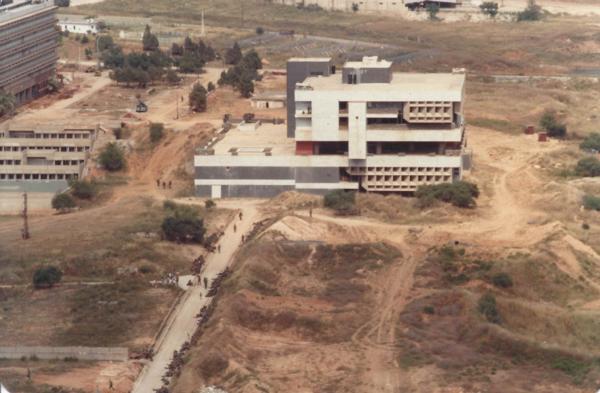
<point>62,135</point>
<point>412,179</point>
<point>38,176</point>
<point>54,148</point>
<point>54,162</point>
<point>374,170</point>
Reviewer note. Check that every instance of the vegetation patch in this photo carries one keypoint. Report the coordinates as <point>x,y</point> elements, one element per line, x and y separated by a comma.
<point>341,201</point>
<point>460,194</point>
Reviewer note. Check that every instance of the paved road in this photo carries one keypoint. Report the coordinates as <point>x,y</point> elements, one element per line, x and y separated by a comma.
<point>183,323</point>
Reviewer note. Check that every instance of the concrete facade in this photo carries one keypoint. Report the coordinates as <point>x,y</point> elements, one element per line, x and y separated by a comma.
<point>44,155</point>
<point>28,48</point>
<point>364,128</point>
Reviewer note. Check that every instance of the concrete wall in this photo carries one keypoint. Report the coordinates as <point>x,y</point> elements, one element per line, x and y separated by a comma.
<point>367,75</point>
<point>81,353</point>
<point>297,71</point>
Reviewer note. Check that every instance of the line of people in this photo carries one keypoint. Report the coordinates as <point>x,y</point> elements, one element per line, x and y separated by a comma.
<point>165,184</point>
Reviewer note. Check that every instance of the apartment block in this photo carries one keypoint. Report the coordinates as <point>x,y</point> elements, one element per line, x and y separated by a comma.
<point>31,155</point>
<point>28,47</point>
<point>363,128</point>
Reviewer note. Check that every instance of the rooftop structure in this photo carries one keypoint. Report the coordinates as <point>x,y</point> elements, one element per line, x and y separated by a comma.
<point>78,25</point>
<point>365,129</point>
<point>28,42</point>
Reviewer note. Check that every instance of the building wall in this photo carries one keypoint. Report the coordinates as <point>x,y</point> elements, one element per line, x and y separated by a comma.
<point>28,42</point>
<point>79,28</point>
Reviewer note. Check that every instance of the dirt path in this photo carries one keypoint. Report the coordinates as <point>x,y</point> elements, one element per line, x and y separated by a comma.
<point>183,323</point>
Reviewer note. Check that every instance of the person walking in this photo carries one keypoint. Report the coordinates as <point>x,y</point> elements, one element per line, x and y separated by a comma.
<point>219,248</point>
<point>234,228</point>
<point>205,283</point>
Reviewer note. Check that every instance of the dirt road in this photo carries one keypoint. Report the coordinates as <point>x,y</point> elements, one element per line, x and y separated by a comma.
<point>183,323</point>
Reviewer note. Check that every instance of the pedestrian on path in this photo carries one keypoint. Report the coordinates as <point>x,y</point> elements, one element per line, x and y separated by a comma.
<point>241,216</point>
<point>205,283</point>
<point>243,238</point>
<point>158,183</point>
<point>219,248</point>
<point>234,228</point>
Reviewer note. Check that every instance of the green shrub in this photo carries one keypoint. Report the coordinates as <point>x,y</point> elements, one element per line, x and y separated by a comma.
<point>429,310</point>
<point>591,202</point>
<point>46,277</point>
<point>588,167</point>
<point>553,127</point>
<point>341,201</point>
<point>260,30</point>
<point>591,142</point>
<point>460,193</point>
<point>63,202</point>
<point>112,158</point>
<point>489,8</point>
<point>183,224</point>
<point>487,307</point>
<point>533,12</point>
<point>209,204</point>
<point>83,189</point>
<point>156,132</point>
<point>585,226</point>
<point>502,280</point>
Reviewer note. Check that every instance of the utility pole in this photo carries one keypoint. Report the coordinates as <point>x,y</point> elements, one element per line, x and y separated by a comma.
<point>25,230</point>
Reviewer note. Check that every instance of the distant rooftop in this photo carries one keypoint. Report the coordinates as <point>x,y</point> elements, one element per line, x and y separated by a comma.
<point>313,59</point>
<point>19,9</point>
<point>368,62</point>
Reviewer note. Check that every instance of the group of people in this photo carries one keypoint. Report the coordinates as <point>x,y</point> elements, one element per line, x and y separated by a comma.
<point>165,184</point>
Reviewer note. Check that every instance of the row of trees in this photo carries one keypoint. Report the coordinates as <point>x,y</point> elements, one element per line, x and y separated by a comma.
<point>244,71</point>
<point>7,103</point>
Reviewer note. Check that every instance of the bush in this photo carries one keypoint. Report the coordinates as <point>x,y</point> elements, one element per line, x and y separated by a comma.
<point>487,307</point>
<point>585,226</point>
<point>213,365</point>
<point>46,277</point>
<point>588,167</point>
<point>460,193</point>
<point>429,310</point>
<point>533,12</point>
<point>183,225</point>
<point>432,10</point>
<point>591,202</point>
<point>550,123</point>
<point>209,204</point>
<point>85,39</point>
<point>172,77</point>
<point>83,189</point>
<point>197,98</point>
<point>591,142</point>
<point>156,132</point>
<point>502,280</point>
<point>260,30</point>
<point>210,86</point>
<point>489,8</point>
<point>7,103</point>
<point>341,201</point>
<point>112,158</point>
<point>63,202</point>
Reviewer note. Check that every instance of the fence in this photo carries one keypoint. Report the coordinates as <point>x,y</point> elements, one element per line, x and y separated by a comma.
<point>80,353</point>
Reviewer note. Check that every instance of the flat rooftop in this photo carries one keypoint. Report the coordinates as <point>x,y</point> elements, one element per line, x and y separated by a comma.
<point>20,9</point>
<point>417,82</point>
<point>313,59</point>
<point>271,136</point>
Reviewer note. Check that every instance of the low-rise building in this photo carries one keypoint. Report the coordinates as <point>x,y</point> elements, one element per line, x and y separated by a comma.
<point>78,25</point>
<point>28,43</point>
<point>364,128</point>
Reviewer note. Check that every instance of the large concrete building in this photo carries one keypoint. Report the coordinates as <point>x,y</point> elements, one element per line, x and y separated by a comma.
<point>29,154</point>
<point>28,42</point>
<point>364,128</point>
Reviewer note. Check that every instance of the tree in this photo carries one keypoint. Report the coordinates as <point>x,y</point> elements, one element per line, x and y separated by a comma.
<point>502,280</point>
<point>191,63</point>
<point>46,277</point>
<point>62,3</point>
<point>63,202</point>
<point>112,157</point>
<point>343,202</point>
<point>83,189</point>
<point>252,61</point>
<point>246,87</point>
<point>355,7</point>
<point>149,40</point>
<point>533,12</point>
<point>88,53</point>
<point>105,42</point>
<point>210,86</point>
<point>233,54</point>
<point>489,8</point>
<point>176,49</point>
<point>156,132</point>
<point>591,202</point>
<point>197,98</point>
<point>550,123</point>
<point>7,103</point>
<point>172,77</point>
<point>85,39</point>
<point>183,224</point>
<point>432,10</point>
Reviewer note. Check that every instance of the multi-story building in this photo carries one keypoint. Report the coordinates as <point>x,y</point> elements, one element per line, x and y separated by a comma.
<point>364,128</point>
<point>28,154</point>
<point>28,42</point>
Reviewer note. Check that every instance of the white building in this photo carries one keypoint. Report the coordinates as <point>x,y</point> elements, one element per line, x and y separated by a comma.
<point>77,25</point>
<point>364,128</point>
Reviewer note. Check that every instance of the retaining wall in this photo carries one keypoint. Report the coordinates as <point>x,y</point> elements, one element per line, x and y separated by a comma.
<point>118,354</point>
